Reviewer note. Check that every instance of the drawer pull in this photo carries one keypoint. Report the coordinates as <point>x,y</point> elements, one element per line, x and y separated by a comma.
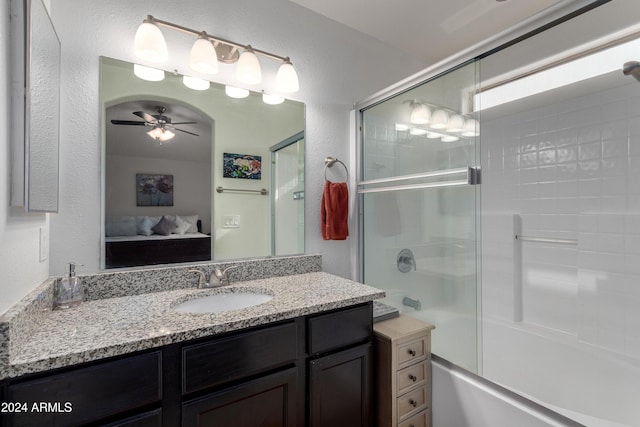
<point>411,352</point>
<point>413,403</point>
<point>413,378</point>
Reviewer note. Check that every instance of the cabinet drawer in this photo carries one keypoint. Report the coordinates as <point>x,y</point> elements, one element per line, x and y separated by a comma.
<point>422,419</point>
<point>339,329</point>
<point>227,359</point>
<point>412,403</point>
<point>412,351</point>
<point>412,377</point>
<point>92,392</point>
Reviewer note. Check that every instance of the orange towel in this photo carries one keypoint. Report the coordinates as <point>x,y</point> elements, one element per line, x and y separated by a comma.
<point>334,211</point>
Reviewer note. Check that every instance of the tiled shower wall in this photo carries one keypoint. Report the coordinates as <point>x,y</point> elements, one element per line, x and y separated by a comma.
<point>569,170</point>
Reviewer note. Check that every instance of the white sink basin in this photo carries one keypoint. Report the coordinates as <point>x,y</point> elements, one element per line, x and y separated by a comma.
<point>223,302</point>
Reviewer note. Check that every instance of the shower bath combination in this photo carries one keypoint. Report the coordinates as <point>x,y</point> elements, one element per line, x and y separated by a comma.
<point>632,68</point>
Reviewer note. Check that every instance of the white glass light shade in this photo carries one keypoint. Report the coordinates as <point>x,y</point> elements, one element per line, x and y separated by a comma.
<point>272,99</point>
<point>455,123</point>
<point>203,58</point>
<point>433,135</point>
<point>287,78</point>
<point>439,119</point>
<point>248,68</point>
<point>470,128</point>
<point>236,92</point>
<point>417,131</point>
<point>449,138</point>
<point>195,83</point>
<point>148,73</point>
<point>420,114</point>
<point>161,134</point>
<point>149,43</point>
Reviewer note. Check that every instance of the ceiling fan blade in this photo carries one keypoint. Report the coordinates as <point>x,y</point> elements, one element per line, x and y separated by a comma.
<point>145,116</point>
<point>190,133</point>
<point>128,122</point>
<point>183,123</point>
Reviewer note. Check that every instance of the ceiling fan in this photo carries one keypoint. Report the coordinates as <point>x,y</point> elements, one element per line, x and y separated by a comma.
<point>161,125</point>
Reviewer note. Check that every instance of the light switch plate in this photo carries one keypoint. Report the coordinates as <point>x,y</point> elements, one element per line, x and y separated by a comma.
<point>231,221</point>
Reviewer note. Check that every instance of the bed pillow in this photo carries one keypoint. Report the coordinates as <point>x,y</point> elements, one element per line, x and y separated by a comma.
<point>146,223</point>
<point>164,227</point>
<point>123,226</point>
<point>189,224</point>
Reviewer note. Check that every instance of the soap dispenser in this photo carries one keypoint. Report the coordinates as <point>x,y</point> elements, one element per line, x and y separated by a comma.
<point>68,291</point>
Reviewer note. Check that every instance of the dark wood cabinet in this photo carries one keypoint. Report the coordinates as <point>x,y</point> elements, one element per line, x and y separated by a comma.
<point>340,388</point>
<point>268,401</point>
<point>314,370</point>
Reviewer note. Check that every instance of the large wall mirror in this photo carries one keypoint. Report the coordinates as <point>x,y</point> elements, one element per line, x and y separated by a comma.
<point>196,175</point>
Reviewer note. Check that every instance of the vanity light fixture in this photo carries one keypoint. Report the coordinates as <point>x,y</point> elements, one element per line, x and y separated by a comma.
<point>272,99</point>
<point>440,119</point>
<point>455,123</point>
<point>195,83</point>
<point>420,114</point>
<point>235,92</point>
<point>149,44</point>
<point>204,58</point>
<point>148,73</point>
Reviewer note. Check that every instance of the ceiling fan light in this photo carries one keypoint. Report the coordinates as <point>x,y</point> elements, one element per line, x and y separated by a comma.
<point>287,78</point>
<point>272,99</point>
<point>203,58</point>
<point>235,92</point>
<point>148,73</point>
<point>195,83</point>
<point>455,123</point>
<point>420,114</point>
<point>439,119</point>
<point>248,68</point>
<point>149,43</point>
<point>160,134</point>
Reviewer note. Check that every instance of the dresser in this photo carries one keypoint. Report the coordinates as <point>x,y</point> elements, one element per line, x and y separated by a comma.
<point>402,348</point>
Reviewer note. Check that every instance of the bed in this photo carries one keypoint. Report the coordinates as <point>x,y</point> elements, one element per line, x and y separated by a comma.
<point>138,250</point>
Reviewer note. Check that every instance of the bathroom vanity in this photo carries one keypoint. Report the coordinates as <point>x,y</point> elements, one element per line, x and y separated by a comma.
<point>303,358</point>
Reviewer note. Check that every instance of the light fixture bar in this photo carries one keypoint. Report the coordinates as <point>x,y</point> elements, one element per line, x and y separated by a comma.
<point>215,39</point>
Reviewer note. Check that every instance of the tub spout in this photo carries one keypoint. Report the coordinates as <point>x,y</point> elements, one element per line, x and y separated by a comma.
<point>410,302</point>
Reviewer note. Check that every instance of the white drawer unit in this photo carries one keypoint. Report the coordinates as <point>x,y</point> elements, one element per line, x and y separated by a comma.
<point>403,372</point>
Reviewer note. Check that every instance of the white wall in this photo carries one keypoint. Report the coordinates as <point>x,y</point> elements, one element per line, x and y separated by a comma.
<point>19,232</point>
<point>336,66</point>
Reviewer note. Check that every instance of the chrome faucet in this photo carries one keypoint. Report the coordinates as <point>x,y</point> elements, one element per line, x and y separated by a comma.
<point>216,279</point>
<point>221,277</point>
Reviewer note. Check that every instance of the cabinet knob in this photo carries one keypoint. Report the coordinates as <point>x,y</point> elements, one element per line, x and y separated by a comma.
<point>411,352</point>
<point>413,403</point>
<point>413,378</point>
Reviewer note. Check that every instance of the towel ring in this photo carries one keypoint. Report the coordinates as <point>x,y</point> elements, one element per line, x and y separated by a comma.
<point>329,162</point>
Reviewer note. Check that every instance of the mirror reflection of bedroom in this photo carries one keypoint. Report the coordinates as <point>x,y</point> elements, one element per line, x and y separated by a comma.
<point>157,184</point>
<point>197,175</point>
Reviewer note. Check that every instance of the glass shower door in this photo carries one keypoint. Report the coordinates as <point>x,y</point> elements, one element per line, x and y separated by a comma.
<point>288,196</point>
<point>419,208</point>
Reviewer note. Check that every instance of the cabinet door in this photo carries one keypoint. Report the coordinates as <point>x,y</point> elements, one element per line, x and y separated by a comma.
<point>270,401</point>
<point>340,389</point>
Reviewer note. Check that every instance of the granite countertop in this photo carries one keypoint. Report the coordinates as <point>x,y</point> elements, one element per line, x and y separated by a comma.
<point>114,326</point>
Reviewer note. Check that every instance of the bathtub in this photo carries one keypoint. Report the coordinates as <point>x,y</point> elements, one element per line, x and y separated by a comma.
<point>544,368</point>
<point>588,384</point>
